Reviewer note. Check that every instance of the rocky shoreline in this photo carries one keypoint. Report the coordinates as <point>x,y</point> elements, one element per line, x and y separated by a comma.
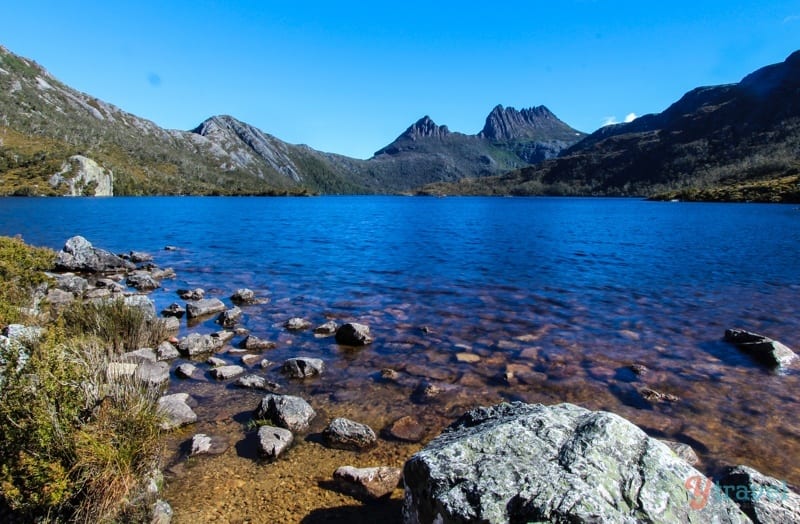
<point>470,472</point>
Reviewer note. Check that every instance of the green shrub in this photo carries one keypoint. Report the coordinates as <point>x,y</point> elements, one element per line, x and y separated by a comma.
<point>21,268</point>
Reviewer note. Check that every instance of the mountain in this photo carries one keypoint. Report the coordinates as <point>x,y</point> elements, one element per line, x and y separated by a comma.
<point>730,142</point>
<point>56,140</point>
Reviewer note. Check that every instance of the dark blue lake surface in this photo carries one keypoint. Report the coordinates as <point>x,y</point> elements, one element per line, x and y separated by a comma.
<point>556,297</point>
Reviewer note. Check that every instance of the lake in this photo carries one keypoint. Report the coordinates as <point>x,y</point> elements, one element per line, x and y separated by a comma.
<point>551,300</point>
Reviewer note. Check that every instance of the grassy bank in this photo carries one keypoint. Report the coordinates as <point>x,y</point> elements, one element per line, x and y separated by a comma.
<point>76,443</point>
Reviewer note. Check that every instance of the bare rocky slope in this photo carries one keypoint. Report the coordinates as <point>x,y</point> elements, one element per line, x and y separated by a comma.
<point>45,123</point>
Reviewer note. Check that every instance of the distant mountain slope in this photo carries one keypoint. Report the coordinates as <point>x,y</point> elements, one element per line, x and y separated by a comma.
<point>45,126</point>
<point>732,142</point>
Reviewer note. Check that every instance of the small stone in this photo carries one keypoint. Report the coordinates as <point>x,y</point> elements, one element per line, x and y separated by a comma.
<point>327,329</point>
<point>202,444</point>
<point>273,441</point>
<point>407,429</point>
<point>367,483</point>
<point>470,358</point>
<point>170,248</point>
<point>257,382</point>
<point>142,281</point>
<point>684,451</point>
<point>639,369</point>
<point>176,410</point>
<point>344,433</point>
<point>167,351</point>
<point>192,294</point>
<point>286,411</point>
<point>249,360</point>
<point>230,317</point>
<point>297,324</point>
<point>216,361</point>
<point>253,343</point>
<point>303,367</point>
<point>264,364</point>
<point>353,334</point>
<point>651,395</point>
<point>173,310</point>
<point>390,374</point>
<point>226,372</point>
<point>185,370</point>
<point>204,307</point>
<point>137,257</point>
<point>243,296</point>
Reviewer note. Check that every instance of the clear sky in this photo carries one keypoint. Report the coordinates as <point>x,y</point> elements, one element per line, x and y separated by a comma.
<point>348,77</point>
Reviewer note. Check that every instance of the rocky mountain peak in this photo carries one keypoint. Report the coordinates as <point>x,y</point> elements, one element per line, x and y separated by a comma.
<point>425,127</point>
<point>507,123</point>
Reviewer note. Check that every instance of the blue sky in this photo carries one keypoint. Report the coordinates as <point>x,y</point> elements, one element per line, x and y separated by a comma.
<point>348,77</point>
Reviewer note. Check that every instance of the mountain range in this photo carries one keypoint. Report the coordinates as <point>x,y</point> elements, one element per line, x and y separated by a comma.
<point>735,142</point>
<point>731,142</point>
<point>50,132</point>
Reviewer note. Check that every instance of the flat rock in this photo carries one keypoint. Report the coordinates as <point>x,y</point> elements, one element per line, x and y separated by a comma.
<point>407,429</point>
<point>303,367</point>
<point>204,307</point>
<point>353,334</point>
<point>152,373</point>
<point>176,411</point>
<point>344,433</point>
<point>532,463</point>
<point>764,349</point>
<point>367,483</point>
<point>226,372</point>
<point>257,382</point>
<point>766,500</point>
<point>273,441</point>
<point>202,444</point>
<point>286,411</point>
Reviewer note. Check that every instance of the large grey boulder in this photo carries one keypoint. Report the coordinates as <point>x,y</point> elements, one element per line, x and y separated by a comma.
<point>286,411</point>
<point>206,306</point>
<point>764,349</point>
<point>532,463</point>
<point>764,499</point>
<point>78,254</point>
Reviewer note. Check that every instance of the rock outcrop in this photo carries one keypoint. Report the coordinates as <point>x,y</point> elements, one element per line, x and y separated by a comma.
<point>78,254</point>
<point>533,463</point>
<point>82,176</point>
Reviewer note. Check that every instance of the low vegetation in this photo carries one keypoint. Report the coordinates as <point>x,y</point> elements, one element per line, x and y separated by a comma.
<point>76,443</point>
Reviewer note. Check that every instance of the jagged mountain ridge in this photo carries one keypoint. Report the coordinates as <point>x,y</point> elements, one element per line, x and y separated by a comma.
<point>730,142</point>
<point>45,123</point>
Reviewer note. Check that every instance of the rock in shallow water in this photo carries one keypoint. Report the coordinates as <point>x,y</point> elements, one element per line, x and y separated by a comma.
<point>303,367</point>
<point>764,499</point>
<point>344,433</point>
<point>367,483</point>
<point>764,349</point>
<point>176,410</point>
<point>353,334</point>
<point>286,411</point>
<point>273,441</point>
<point>204,307</point>
<point>520,463</point>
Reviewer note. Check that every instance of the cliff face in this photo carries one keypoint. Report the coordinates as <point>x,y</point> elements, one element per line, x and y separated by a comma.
<point>82,176</point>
<point>535,123</point>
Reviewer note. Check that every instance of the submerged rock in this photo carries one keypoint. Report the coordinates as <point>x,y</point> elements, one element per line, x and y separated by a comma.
<point>327,329</point>
<point>192,294</point>
<point>286,411</point>
<point>230,317</point>
<point>253,343</point>
<point>764,349</point>
<point>766,500</point>
<point>257,382</point>
<point>202,444</point>
<point>226,372</point>
<point>344,433</point>
<point>273,441</point>
<point>367,483</point>
<point>407,429</point>
<point>533,463</point>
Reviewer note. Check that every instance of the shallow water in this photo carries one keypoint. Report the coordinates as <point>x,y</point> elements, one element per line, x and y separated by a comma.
<point>557,297</point>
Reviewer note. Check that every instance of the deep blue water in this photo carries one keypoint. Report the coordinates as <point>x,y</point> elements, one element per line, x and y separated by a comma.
<point>588,285</point>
